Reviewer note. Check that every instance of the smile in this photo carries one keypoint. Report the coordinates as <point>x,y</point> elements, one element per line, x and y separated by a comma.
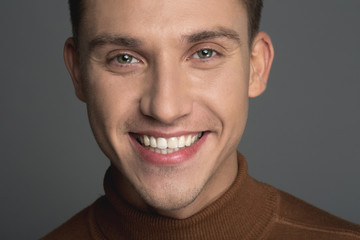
<point>168,145</point>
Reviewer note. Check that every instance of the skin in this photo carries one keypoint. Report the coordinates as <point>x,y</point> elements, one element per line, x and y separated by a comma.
<point>166,89</point>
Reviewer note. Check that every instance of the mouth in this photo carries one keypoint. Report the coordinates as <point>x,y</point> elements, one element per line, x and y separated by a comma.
<point>168,145</point>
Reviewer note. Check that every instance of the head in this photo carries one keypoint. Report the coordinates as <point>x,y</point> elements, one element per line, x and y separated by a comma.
<point>166,84</point>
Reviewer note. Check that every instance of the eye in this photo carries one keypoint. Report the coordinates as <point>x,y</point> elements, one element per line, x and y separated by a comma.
<point>204,53</point>
<point>125,59</point>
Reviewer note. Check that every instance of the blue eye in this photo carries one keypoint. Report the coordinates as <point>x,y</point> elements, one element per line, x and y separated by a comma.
<point>125,59</point>
<point>204,53</point>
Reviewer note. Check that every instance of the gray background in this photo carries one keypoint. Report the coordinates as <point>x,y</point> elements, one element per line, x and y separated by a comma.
<point>302,134</point>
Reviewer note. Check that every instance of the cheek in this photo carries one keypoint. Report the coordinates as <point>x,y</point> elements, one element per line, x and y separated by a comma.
<point>111,104</point>
<point>226,93</point>
<point>233,107</point>
<point>226,96</point>
<point>110,101</point>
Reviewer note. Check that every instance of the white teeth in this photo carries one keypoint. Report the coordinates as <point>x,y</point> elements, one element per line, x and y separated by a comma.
<point>181,142</point>
<point>188,141</point>
<point>169,145</point>
<point>146,141</point>
<point>161,143</point>
<point>153,142</point>
<point>172,142</point>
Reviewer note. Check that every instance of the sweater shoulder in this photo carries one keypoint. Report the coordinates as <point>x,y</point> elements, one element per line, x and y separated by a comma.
<point>297,219</point>
<point>76,228</point>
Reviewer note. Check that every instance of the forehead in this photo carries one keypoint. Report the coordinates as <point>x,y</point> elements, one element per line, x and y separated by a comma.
<point>162,19</point>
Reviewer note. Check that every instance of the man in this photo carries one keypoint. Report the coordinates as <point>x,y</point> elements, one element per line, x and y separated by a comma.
<point>166,85</point>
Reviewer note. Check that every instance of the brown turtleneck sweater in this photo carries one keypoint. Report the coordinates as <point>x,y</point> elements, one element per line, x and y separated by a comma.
<point>248,210</point>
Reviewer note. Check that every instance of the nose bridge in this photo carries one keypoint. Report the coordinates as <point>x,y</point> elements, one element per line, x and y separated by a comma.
<point>168,97</point>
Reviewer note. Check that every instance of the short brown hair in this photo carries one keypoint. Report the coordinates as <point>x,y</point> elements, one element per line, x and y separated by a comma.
<point>253,8</point>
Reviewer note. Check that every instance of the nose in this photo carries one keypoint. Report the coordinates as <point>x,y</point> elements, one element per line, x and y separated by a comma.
<point>168,96</point>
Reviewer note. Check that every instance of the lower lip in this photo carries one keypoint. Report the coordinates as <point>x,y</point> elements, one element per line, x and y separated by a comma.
<point>175,158</point>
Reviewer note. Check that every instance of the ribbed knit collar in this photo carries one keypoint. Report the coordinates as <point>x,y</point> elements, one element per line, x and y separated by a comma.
<point>243,212</point>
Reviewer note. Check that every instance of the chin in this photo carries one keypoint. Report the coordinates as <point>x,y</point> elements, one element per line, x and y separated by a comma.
<point>171,197</point>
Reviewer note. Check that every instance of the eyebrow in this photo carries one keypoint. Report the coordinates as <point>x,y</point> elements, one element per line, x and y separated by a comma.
<point>217,33</point>
<point>127,41</point>
<point>119,40</point>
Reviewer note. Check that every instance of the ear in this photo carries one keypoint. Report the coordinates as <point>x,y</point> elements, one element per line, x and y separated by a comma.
<point>262,55</point>
<point>72,63</point>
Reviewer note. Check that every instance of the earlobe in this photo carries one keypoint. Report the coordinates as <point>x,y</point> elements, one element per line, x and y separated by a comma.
<point>72,63</point>
<point>262,55</point>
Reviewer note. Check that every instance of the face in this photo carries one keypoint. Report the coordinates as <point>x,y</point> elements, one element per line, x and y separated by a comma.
<point>166,85</point>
